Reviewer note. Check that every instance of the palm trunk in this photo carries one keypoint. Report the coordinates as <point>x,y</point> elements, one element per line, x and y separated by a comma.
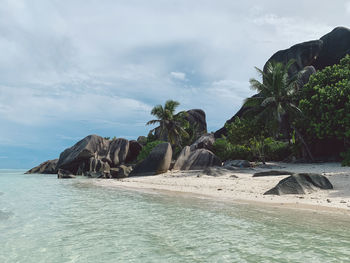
<point>303,142</point>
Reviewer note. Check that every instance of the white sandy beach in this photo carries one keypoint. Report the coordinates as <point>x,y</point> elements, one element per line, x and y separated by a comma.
<point>240,186</point>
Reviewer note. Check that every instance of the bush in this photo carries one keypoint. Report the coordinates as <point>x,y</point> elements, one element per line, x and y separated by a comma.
<point>325,102</point>
<point>346,158</point>
<point>147,149</point>
<point>258,149</point>
<point>276,150</point>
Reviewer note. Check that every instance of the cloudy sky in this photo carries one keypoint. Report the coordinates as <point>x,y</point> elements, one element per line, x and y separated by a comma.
<point>69,68</point>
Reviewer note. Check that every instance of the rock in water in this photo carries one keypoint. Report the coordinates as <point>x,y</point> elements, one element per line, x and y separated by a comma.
<point>48,167</point>
<point>196,160</point>
<point>157,162</point>
<point>71,158</point>
<point>300,184</point>
<point>64,174</point>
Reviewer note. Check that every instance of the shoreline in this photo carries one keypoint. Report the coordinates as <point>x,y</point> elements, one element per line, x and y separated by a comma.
<point>240,187</point>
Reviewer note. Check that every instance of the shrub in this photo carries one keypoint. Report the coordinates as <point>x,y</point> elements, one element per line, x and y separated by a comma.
<point>325,102</point>
<point>276,150</point>
<point>147,149</point>
<point>346,158</point>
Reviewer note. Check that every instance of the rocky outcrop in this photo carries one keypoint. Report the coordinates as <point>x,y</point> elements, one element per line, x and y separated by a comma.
<point>94,155</point>
<point>300,184</point>
<point>157,162</point>
<point>198,159</point>
<point>48,167</point>
<point>316,54</point>
<point>206,141</point>
<point>142,140</point>
<point>197,118</point>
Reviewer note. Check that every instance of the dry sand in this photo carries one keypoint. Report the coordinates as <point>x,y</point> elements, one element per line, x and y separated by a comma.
<point>240,186</point>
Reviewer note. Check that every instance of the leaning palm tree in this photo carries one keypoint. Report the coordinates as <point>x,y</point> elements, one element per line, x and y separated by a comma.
<point>170,125</point>
<point>276,97</point>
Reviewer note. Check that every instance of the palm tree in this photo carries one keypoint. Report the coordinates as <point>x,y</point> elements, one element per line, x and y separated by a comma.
<point>170,124</point>
<point>276,97</point>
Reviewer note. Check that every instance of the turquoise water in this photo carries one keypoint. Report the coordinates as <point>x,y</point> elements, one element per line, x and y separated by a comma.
<point>43,219</point>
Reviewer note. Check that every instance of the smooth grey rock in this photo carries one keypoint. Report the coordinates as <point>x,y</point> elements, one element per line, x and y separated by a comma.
<point>117,151</point>
<point>272,173</point>
<point>196,160</point>
<point>237,163</point>
<point>300,184</point>
<point>157,162</point>
<point>48,167</point>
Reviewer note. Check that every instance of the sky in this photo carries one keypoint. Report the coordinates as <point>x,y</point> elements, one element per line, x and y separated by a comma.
<point>70,68</point>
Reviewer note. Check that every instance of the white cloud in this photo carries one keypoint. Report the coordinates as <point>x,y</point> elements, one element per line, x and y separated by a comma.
<point>347,7</point>
<point>178,75</point>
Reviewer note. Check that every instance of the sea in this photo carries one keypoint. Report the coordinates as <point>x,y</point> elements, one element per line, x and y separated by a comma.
<point>44,219</point>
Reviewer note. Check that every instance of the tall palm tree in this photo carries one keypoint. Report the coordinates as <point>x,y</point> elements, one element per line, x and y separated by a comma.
<point>170,124</point>
<point>276,97</point>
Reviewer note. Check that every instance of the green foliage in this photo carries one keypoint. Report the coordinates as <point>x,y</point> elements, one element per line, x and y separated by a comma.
<point>106,138</point>
<point>147,149</point>
<point>346,158</point>
<point>325,102</point>
<point>240,131</point>
<point>257,149</point>
<point>170,124</point>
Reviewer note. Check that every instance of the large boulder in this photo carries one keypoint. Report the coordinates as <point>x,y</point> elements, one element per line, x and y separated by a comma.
<point>336,45</point>
<point>198,159</point>
<point>300,184</point>
<point>304,54</point>
<point>94,154</point>
<point>157,162</point>
<point>48,167</point>
<point>197,118</point>
<point>206,141</point>
<point>117,152</point>
<point>134,150</point>
<point>91,146</point>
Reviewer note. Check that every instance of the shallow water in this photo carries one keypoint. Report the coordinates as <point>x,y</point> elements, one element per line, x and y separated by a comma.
<point>43,219</point>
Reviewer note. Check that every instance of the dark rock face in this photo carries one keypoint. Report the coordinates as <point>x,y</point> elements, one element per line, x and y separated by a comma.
<point>94,154</point>
<point>196,117</point>
<point>134,150</point>
<point>316,54</point>
<point>142,140</point>
<point>157,162</point>
<point>272,173</point>
<point>48,167</point>
<point>64,174</point>
<point>304,54</point>
<point>300,184</point>
<point>91,146</point>
<point>336,45</point>
<point>206,141</point>
<point>196,160</point>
